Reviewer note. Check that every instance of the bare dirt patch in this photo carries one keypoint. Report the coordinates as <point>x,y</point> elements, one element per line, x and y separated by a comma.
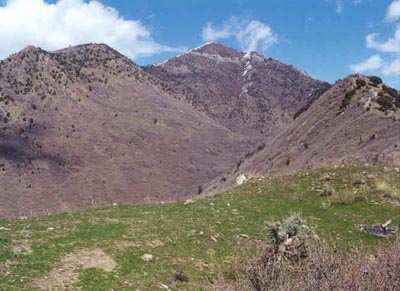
<point>155,243</point>
<point>21,248</point>
<point>6,267</point>
<point>131,244</point>
<point>65,275</point>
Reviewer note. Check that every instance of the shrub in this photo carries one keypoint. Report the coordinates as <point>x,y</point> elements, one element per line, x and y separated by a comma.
<point>181,277</point>
<point>349,94</point>
<point>289,239</point>
<point>321,269</point>
<point>390,91</point>
<point>386,101</point>
<point>327,191</point>
<point>375,80</point>
<point>345,103</point>
<point>287,161</point>
<point>347,98</point>
<point>360,83</point>
<point>397,102</point>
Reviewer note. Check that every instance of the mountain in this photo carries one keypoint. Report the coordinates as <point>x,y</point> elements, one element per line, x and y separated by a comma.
<point>247,93</point>
<point>357,121</point>
<point>84,127</point>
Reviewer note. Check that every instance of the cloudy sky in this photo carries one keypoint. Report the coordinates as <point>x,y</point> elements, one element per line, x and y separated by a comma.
<point>328,38</point>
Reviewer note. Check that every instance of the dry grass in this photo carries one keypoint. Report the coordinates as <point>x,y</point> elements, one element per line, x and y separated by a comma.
<point>361,193</point>
<point>388,189</point>
<point>345,197</point>
<point>348,196</point>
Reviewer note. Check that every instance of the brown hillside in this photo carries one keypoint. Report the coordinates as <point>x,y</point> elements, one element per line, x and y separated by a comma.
<point>244,92</point>
<point>85,127</point>
<point>350,123</point>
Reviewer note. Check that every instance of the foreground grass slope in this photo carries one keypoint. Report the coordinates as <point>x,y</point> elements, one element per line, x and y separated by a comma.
<point>192,244</point>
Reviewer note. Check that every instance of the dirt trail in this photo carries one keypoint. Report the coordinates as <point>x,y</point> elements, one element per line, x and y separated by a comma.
<point>65,275</point>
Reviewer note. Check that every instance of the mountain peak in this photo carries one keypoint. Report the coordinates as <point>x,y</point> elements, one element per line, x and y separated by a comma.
<point>91,47</point>
<point>30,48</point>
<point>213,48</point>
<point>209,49</point>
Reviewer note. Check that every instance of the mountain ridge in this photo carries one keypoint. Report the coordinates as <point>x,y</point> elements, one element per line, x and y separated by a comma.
<point>245,92</point>
<point>86,127</point>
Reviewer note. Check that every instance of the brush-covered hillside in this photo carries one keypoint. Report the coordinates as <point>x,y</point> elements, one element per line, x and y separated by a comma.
<point>357,121</point>
<point>245,92</point>
<point>85,127</point>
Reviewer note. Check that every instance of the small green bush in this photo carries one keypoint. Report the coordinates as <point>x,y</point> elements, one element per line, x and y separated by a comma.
<point>391,91</point>
<point>349,94</point>
<point>347,98</point>
<point>375,80</point>
<point>360,83</point>
<point>386,101</point>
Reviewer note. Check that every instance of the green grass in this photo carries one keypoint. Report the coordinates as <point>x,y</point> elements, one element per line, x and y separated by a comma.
<point>180,237</point>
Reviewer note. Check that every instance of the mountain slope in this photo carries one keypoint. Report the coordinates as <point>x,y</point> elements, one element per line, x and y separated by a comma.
<point>85,127</point>
<point>244,92</point>
<point>356,121</point>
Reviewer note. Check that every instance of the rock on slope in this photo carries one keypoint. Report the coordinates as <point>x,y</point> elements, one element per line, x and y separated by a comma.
<point>244,92</point>
<point>85,127</point>
<point>356,121</point>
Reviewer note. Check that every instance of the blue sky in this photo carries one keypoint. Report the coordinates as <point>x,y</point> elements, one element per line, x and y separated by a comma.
<point>327,38</point>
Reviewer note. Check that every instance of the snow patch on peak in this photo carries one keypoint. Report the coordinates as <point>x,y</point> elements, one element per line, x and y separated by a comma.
<point>247,56</point>
<point>248,68</point>
<point>189,51</point>
<point>253,56</point>
<point>199,47</point>
<point>161,63</point>
<point>194,49</point>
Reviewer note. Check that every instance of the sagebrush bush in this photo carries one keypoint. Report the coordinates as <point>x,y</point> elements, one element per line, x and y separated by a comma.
<point>289,239</point>
<point>321,268</point>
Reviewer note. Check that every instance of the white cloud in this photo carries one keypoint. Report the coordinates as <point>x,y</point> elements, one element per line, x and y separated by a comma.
<point>391,45</point>
<point>71,22</point>
<point>251,35</point>
<point>393,13</point>
<point>388,62</point>
<point>392,68</point>
<point>373,63</point>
